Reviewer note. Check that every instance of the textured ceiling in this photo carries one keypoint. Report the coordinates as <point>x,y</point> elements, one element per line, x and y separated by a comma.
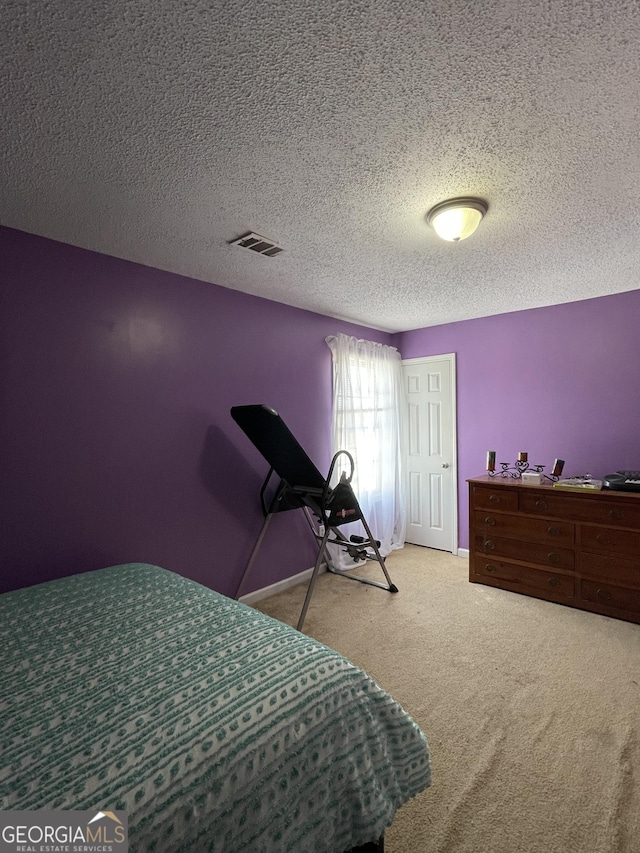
<point>158,131</point>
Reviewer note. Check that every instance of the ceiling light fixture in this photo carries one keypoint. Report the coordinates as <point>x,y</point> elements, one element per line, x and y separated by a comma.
<point>457,218</point>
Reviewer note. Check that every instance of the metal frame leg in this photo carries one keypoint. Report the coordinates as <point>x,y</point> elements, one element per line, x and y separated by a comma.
<point>341,541</point>
<point>338,539</point>
<point>253,554</point>
<point>314,577</point>
<point>379,557</point>
<point>268,515</point>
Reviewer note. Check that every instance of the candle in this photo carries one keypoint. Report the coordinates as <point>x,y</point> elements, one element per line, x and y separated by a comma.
<point>522,456</point>
<point>558,465</point>
<point>491,460</point>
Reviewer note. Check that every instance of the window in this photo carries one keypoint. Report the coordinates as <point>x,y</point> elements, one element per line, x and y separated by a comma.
<point>367,410</point>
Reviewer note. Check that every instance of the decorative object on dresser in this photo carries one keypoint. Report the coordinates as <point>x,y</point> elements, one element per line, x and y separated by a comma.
<point>576,548</point>
<point>520,466</point>
<point>579,484</point>
<point>624,481</point>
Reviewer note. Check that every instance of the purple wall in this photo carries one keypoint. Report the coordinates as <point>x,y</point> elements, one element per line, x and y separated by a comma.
<point>116,382</point>
<point>116,442</point>
<point>559,382</point>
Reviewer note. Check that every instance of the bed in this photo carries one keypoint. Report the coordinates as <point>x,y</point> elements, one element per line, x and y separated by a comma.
<point>215,727</point>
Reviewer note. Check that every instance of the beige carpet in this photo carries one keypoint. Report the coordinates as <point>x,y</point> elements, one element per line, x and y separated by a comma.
<point>531,709</point>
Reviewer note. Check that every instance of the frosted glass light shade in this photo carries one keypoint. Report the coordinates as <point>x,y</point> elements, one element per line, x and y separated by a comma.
<point>457,218</point>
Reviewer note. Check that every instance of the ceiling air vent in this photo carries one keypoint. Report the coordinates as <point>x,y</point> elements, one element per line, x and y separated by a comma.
<point>258,244</point>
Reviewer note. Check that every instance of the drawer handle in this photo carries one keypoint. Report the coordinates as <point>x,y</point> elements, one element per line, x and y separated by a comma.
<point>488,545</point>
<point>490,568</point>
<point>604,540</point>
<point>553,558</point>
<point>603,595</point>
<point>616,513</point>
<point>541,504</point>
<point>554,531</point>
<point>490,521</point>
<point>554,582</point>
<point>495,499</point>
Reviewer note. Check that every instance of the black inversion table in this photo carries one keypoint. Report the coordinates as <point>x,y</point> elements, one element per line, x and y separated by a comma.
<point>302,486</point>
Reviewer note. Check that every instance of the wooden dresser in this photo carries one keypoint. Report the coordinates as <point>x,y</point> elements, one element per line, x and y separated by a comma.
<point>576,548</point>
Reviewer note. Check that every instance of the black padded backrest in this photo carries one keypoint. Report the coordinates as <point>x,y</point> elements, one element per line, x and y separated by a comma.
<point>265,428</point>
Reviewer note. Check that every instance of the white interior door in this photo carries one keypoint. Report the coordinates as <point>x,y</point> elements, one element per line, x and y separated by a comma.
<point>430,463</point>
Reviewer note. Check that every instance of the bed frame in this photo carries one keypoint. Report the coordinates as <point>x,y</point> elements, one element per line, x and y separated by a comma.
<point>372,847</point>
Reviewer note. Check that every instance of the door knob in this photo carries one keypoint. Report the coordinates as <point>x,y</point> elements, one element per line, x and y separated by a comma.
<point>445,464</point>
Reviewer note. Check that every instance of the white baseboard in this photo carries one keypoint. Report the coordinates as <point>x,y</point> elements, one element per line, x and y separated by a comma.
<point>301,577</point>
<point>279,586</point>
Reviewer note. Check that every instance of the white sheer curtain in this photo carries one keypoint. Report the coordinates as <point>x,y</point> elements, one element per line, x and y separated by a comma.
<point>367,421</point>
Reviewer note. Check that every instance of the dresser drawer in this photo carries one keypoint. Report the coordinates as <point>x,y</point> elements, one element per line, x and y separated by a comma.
<point>531,552</point>
<point>523,528</point>
<point>615,569</point>
<point>534,579</point>
<point>610,540</point>
<point>484,497</point>
<point>585,507</point>
<point>608,595</point>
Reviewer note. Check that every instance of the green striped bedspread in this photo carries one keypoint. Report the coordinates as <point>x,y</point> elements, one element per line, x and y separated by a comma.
<point>214,726</point>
